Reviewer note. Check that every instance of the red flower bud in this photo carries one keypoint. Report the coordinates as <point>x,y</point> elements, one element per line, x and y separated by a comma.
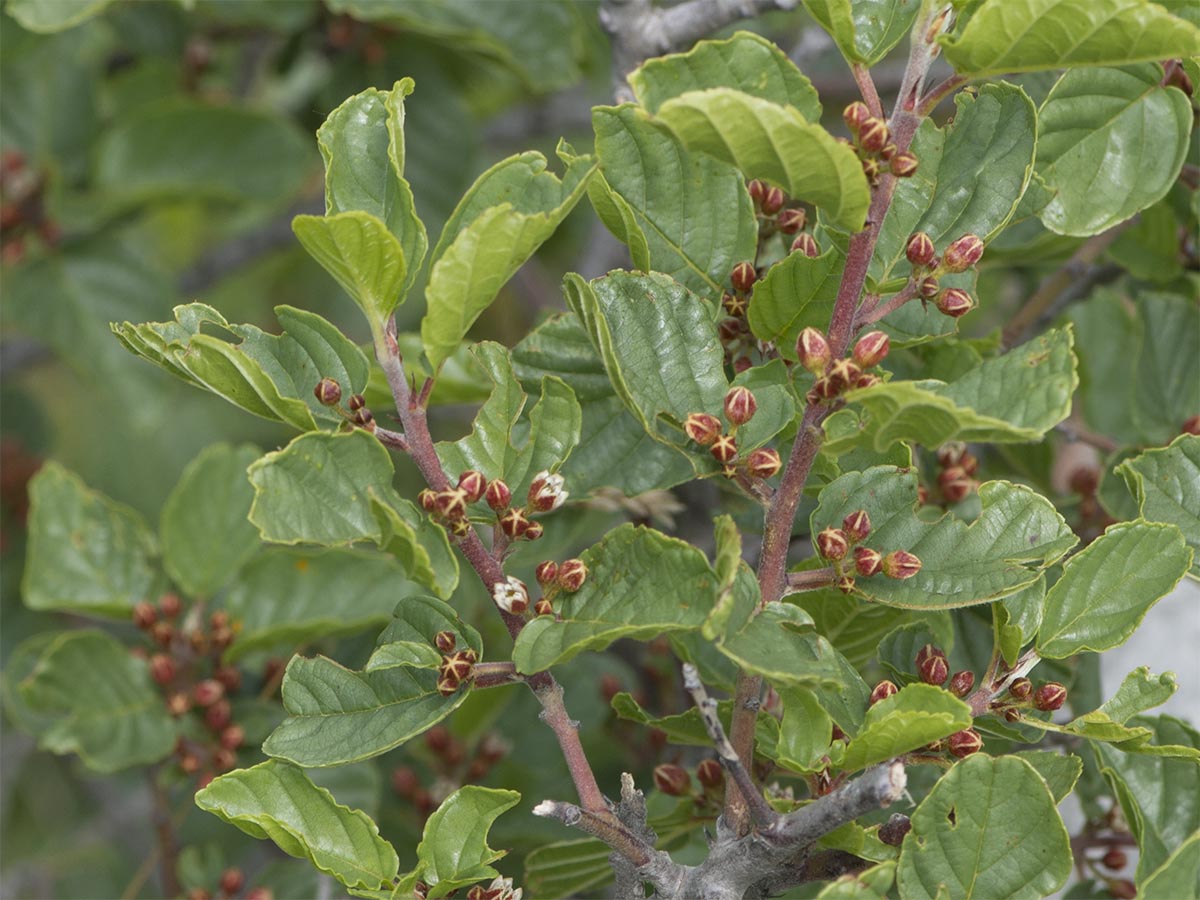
<point>743,276</point>
<point>1115,859</point>
<point>572,574</point>
<point>328,392</point>
<point>534,531</point>
<point>710,774</point>
<point>514,523</point>
<point>813,350</point>
<point>144,615</point>
<point>702,428</point>
<point>233,737</point>
<point>162,668</point>
<point>823,390</point>
<point>873,135</point>
<point>855,115</point>
<point>892,831</point>
<point>871,169</point>
<point>763,463</point>
<point>888,151</point>
<point>928,651</point>
<point>857,526</point>
<point>961,683</point>
<point>170,605</point>
<point>208,692</point>
<point>219,715</point>
<point>447,684</point>
<point>543,607</point>
<point>792,220</point>
<point>920,250</point>
<point>845,584</point>
<point>882,691</point>
<point>955,483</point>
<point>934,670</point>
<point>806,244</point>
<point>757,189</point>
<point>1021,689</point>
<point>843,375</point>
<point>546,572</point>
<point>1191,426</point>
<point>405,781</point>
<point>445,641</point>
<point>672,779</point>
<point>901,564</point>
<point>871,349</point>
<point>833,544</point>
<point>1050,696</point>
<point>451,504</point>
<point>954,302</point>
<point>867,562</point>
<point>773,200</point>
<point>427,500</point>
<point>735,305</point>
<point>724,449</point>
<point>365,419</point>
<point>903,165</point>
<point>963,253</point>
<point>232,881</point>
<point>963,743</point>
<point>740,405</point>
<point>473,484</point>
<point>741,364</point>
<point>356,402</point>
<point>459,664</point>
<point>928,288</point>
<point>497,495</point>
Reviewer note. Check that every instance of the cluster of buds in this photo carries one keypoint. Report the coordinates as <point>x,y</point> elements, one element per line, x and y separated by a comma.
<point>956,472</point>
<point>835,377</point>
<point>230,885</point>
<point>1022,695</point>
<point>873,143</point>
<point>22,208</point>
<point>451,506</point>
<point>453,764</point>
<point>675,781</point>
<point>961,255</point>
<point>707,431</point>
<point>555,578</point>
<point>775,215</point>
<point>185,663</point>
<point>457,666</point>
<point>934,668</point>
<point>735,329</point>
<point>849,557</point>
<point>355,413</point>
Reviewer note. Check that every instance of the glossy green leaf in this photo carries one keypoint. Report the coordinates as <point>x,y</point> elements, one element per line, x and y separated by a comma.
<point>915,716</point>
<point>453,852</point>
<point>204,531</point>
<point>289,598</point>
<point>746,62</point>
<point>1016,397</point>
<point>1112,143</point>
<point>120,720</point>
<point>278,802</point>
<point>684,214</point>
<point>804,731</point>
<point>687,728</point>
<point>567,868</point>
<point>1017,534</point>
<point>1178,877</point>
<point>798,292</point>
<point>86,553</point>
<point>989,828</point>
<point>865,30</point>
<point>505,444</point>
<point>727,562</point>
<point>336,490</point>
<point>361,254</point>
<point>1060,771</point>
<point>46,18</point>
<point>1017,618</point>
<point>775,143</point>
<point>1166,482</point>
<point>1026,35</point>
<point>416,622</point>
<point>269,375</point>
<point>337,716</point>
<point>1108,587</point>
<point>506,215</point>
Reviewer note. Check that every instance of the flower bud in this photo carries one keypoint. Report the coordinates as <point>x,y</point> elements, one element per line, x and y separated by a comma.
<point>724,449</point>
<point>672,779</point>
<point>170,605</point>
<point>892,831</point>
<point>741,364</point>
<point>1050,696</point>
<point>497,495</point>
<point>833,544</point>
<point>511,595</point>
<point>473,484</point>
<point>823,390</point>
<point>1021,689</point>
<point>928,288</point>
<point>873,135</point>
<point>364,419</point>
<point>702,428</point>
<point>867,562</point>
<point>710,774</point>
<point>855,115</point>
<point>219,715</point>
<point>546,492</point>
<point>934,670</point>
<point>232,881</point>
<point>888,151</point>
<point>871,169</point>
<point>871,349</point>
<point>763,463</point>
<point>543,607</point>
<point>867,380</point>
<point>534,531</point>
<point>162,668</point>
<point>792,220</point>
<point>743,276</point>
<point>1012,715</point>
<point>447,684</point>
<point>230,677</point>
<point>514,524</point>
<point>857,526</point>
<point>735,305</point>
<point>208,692</point>
<point>963,743</point>
<point>954,302</point>
<point>844,583</point>
<point>144,615</point>
<point>1114,859</point>
<point>451,504</point>
<point>427,500</point>
<point>961,683</point>
<point>178,703</point>
<point>1191,426</point>
<point>955,483</point>
<point>571,575</point>
<point>882,691</point>
<point>328,392</point>
<point>773,200</point>
<point>459,664</point>
<point>843,375</point>
<point>806,244</point>
<point>920,250</point>
<point>963,253</point>
<point>901,564</point>
<point>740,405</point>
<point>757,190</point>
<point>445,641</point>
<point>189,763</point>
<point>546,572</point>
<point>903,165</point>
<point>233,737</point>
<point>356,402</point>
<point>813,349</point>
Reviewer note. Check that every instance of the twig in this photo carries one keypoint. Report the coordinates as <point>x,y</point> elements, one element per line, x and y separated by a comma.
<point>813,579</point>
<point>866,86</point>
<point>494,674</point>
<point>939,93</point>
<point>168,849</point>
<point>607,829</point>
<point>877,311</point>
<point>393,439</point>
<point>631,812</point>
<point>879,788</point>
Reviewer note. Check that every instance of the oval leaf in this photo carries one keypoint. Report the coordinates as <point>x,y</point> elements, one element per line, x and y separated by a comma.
<point>1166,482</point>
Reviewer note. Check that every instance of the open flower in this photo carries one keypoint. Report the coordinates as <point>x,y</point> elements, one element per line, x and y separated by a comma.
<point>546,492</point>
<point>511,596</point>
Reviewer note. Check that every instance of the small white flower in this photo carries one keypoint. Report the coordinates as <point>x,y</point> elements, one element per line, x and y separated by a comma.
<point>511,596</point>
<point>546,492</point>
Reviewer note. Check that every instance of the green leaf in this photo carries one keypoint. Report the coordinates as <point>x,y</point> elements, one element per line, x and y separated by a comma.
<point>1112,143</point>
<point>336,490</point>
<point>865,30</point>
<point>503,443</point>
<point>86,553</point>
<point>775,143</point>
<point>1027,35</point>
<point>336,715</point>
<point>868,884</point>
<point>1179,876</point>
<point>915,716</point>
<point>853,626</point>
<point>567,868</point>
<point>46,18</point>
<point>746,62</point>
<point>286,597</point>
<point>416,622</point>
<point>989,828</point>
<point>507,214</point>
<point>120,720</point>
<point>687,728</point>
<point>796,293</point>
<point>269,375</point>
<point>453,852</point>
<point>189,150</point>
<point>684,214</point>
<point>640,584</point>
<point>1060,771</point>
<point>205,535</point>
<point>1108,587</point>
<point>1013,398</point>
<point>1017,534</point>
<point>972,176</point>
<point>728,561</point>
<point>1166,482</point>
<point>361,254</point>
<point>804,731</point>
<point>278,802</point>
<point>1017,618</point>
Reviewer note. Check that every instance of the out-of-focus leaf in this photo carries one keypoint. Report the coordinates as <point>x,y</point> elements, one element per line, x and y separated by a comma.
<point>40,16</point>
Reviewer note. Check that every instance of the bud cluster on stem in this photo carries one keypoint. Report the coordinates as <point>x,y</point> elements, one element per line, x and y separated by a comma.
<point>707,431</point>
<point>957,468</point>
<point>836,377</point>
<point>959,256</point>
<point>873,141</point>
<point>843,547</point>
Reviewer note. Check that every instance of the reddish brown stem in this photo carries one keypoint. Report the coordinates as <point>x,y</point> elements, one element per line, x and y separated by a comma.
<point>866,86</point>
<point>811,580</point>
